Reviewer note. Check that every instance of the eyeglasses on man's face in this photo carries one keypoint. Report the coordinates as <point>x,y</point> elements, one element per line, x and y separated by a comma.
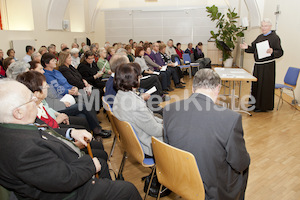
<point>32,99</point>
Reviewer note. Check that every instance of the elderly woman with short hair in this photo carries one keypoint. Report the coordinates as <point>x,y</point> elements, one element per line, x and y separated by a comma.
<point>103,64</point>
<point>17,68</point>
<point>75,57</point>
<point>36,56</point>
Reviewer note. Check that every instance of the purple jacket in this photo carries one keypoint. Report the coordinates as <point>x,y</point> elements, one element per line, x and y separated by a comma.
<point>157,58</point>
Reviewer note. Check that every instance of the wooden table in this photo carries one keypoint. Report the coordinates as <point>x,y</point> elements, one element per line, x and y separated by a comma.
<point>235,75</point>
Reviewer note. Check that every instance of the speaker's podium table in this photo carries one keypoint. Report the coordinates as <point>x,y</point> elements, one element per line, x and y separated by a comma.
<point>234,76</point>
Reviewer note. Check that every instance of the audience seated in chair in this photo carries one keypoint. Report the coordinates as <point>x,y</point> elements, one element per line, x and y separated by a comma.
<point>213,134</point>
<point>75,57</point>
<point>128,106</point>
<point>177,73</point>
<point>103,63</point>
<point>90,71</point>
<point>152,79</point>
<point>40,163</point>
<point>200,58</point>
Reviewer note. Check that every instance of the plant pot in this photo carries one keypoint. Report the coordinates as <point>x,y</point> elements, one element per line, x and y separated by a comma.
<point>228,62</point>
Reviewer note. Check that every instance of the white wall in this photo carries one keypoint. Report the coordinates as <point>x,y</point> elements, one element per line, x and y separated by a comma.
<point>40,33</point>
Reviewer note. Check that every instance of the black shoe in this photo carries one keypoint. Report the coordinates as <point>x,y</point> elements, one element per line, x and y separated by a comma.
<point>257,110</point>
<point>182,83</point>
<point>166,98</point>
<point>179,85</point>
<point>103,133</point>
<point>170,89</point>
<point>165,92</point>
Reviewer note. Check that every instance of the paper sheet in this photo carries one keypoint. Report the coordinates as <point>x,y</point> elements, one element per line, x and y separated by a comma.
<point>262,48</point>
<point>163,68</point>
<point>156,73</point>
<point>151,90</point>
<point>145,77</point>
<point>68,98</point>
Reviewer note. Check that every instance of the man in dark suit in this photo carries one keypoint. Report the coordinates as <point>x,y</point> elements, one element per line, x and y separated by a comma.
<point>39,163</point>
<point>213,134</point>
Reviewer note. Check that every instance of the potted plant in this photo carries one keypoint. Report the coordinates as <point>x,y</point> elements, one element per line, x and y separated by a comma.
<point>228,31</point>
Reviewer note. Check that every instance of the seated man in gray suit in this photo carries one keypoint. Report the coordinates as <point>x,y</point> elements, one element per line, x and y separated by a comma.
<point>213,134</point>
<point>40,163</point>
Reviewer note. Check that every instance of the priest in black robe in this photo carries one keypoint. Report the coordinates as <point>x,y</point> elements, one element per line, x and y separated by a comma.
<point>264,68</point>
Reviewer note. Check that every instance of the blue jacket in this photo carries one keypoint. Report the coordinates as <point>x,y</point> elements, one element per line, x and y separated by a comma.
<point>58,82</point>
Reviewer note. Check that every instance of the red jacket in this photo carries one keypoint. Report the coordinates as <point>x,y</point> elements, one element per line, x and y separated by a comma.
<point>179,52</point>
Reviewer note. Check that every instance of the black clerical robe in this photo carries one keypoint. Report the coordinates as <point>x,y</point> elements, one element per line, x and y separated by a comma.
<point>264,71</point>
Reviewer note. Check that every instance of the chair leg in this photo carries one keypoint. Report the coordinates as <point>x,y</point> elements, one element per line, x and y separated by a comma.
<point>280,98</point>
<point>120,173</point>
<point>112,148</point>
<point>160,188</point>
<point>153,172</point>
<point>190,71</point>
<point>294,101</point>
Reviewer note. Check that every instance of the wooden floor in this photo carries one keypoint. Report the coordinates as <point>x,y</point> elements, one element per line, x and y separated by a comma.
<point>272,140</point>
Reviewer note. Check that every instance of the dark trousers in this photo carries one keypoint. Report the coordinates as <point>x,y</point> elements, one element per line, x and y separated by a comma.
<point>174,74</point>
<point>97,150</point>
<point>164,78</point>
<point>148,83</point>
<point>106,189</point>
<point>77,122</point>
<point>90,116</point>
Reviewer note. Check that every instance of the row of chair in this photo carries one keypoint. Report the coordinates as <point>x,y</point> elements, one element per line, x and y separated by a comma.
<point>176,169</point>
<point>187,63</point>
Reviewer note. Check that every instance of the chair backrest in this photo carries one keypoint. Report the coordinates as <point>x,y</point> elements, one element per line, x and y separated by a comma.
<point>109,112</point>
<point>186,58</point>
<point>178,170</point>
<point>291,76</point>
<point>130,142</point>
<point>177,60</point>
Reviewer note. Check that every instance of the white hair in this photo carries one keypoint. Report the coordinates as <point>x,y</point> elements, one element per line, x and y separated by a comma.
<point>120,50</point>
<point>267,21</point>
<point>17,68</point>
<point>102,49</point>
<point>74,51</point>
<point>35,54</point>
<point>15,96</point>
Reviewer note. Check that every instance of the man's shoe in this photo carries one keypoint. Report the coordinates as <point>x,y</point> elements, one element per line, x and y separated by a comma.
<point>165,92</point>
<point>170,89</point>
<point>179,85</point>
<point>182,83</point>
<point>103,133</point>
<point>166,98</point>
<point>257,110</point>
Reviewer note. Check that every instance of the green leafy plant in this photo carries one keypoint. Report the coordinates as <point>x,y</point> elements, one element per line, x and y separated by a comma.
<point>228,31</point>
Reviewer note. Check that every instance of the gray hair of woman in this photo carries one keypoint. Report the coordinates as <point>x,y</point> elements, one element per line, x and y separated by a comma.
<point>35,54</point>
<point>17,68</point>
<point>74,51</point>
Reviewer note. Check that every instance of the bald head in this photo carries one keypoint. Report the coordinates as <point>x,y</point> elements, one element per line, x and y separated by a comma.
<point>16,106</point>
<point>118,59</point>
